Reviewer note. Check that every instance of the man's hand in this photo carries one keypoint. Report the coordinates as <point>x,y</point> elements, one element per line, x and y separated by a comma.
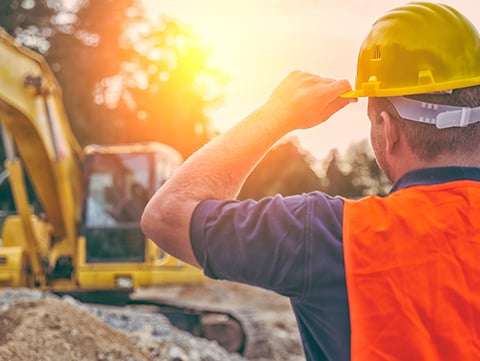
<point>303,100</point>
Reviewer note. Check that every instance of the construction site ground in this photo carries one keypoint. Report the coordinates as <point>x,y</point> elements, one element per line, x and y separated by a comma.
<point>44,329</point>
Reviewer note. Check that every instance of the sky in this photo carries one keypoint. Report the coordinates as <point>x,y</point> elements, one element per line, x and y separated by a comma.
<point>259,42</point>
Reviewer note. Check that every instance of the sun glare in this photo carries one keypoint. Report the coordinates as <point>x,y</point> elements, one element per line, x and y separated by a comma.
<point>258,42</point>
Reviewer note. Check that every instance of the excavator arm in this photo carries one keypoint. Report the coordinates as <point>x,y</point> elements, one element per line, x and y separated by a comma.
<point>32,113</point>
<point>35,125</point>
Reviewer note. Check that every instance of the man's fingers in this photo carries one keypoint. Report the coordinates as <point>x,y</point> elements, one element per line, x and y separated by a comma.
<point>334,107</point>
<point>339,87</point>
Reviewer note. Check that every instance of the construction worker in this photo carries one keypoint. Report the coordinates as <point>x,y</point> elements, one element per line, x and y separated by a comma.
<point>380,278</point>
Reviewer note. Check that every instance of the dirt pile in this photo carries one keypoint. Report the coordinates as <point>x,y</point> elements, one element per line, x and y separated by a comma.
<point>36,326</point>
<point>50,329</point>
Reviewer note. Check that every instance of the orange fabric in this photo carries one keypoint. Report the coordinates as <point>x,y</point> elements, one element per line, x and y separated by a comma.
<point>412,263</point>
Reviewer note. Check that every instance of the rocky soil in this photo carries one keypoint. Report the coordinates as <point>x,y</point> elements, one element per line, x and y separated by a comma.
<point>36,326</point>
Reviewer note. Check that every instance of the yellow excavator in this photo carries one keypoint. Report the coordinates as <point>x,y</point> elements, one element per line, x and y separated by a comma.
<point>84,237</point>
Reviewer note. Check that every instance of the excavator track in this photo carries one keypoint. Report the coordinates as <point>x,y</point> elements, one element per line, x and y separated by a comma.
<point>235,330</point>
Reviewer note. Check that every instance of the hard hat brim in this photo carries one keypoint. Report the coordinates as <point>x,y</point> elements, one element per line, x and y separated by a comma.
<point>365,90</point>
<point>352,94</point>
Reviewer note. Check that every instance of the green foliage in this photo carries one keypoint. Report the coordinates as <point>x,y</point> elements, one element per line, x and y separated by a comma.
<point>284,170</point>
<point>354,175</point>
<point>124,78</point>
<point>178,88</point>
<point>287,169</point>
<point>366,176</point>
<point>336,180</point>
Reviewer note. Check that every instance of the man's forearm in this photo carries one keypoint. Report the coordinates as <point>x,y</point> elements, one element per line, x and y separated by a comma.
<point>218,170</point>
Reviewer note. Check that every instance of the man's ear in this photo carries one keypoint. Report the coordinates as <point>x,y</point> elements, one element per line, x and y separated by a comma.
<point>392,133</point>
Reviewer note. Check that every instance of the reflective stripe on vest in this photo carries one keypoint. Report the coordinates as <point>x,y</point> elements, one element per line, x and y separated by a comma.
<point>412,263</point>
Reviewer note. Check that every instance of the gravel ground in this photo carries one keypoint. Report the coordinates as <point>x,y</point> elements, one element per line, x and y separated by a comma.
<point>39,326</point>
<point>36,326</point>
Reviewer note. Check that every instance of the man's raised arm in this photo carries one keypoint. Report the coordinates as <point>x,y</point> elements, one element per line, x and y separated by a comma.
<point>218,170</point>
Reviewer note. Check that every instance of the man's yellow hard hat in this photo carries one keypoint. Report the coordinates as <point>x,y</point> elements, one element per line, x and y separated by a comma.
<point>420,47</point>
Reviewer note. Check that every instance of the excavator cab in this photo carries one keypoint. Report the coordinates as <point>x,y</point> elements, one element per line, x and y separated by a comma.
<point>119,180</point>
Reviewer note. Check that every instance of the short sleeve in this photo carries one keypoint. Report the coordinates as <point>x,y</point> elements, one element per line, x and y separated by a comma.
<point>265,243</point>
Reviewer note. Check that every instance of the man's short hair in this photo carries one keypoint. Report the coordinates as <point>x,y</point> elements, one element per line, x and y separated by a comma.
<point>426,140</point>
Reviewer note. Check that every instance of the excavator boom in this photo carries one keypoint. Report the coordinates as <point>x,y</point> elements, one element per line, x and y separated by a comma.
<point>32,114</point>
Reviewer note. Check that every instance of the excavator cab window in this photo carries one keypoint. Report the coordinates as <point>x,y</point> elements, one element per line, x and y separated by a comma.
<point>118,183</point>
<point>117,190</point>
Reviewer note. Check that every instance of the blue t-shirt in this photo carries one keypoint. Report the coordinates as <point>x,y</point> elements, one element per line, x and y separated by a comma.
<point>293,246</point>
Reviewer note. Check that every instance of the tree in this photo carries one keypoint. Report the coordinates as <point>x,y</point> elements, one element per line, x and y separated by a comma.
<point>366,176</point>
<point>124,78</point>
<point>337,181</point>
<point>285,169</point>
<point>177,89</point>
<point>355,174</point>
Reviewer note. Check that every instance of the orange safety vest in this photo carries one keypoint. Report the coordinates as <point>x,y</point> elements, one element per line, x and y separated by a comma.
<point>412,262</point>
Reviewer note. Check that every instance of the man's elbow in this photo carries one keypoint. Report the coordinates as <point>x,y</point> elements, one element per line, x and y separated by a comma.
<point>155,223</point>
<point>149,223</point>
<point>167,226</point>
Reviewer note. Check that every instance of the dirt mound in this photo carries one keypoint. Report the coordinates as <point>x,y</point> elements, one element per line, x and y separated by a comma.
<point>50,329</point>
<point>39,326</point>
